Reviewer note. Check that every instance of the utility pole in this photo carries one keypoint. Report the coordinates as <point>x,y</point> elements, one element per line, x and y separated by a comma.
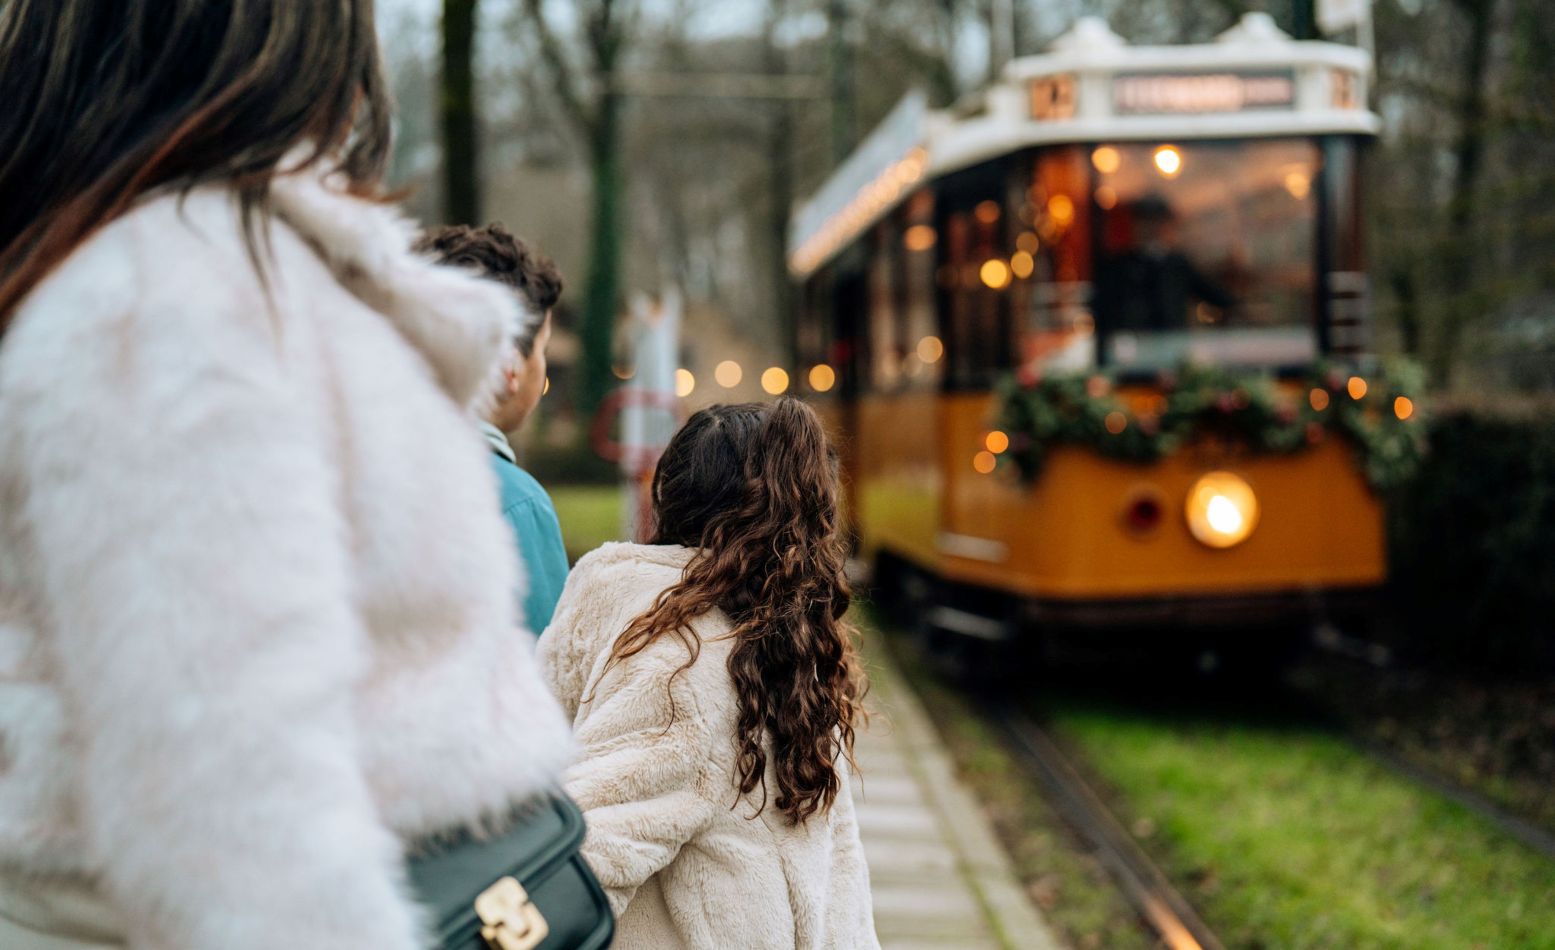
<point>843,123</point>
<point>1001,36</point>
<point>780,198</point>
<point>1305,16</point>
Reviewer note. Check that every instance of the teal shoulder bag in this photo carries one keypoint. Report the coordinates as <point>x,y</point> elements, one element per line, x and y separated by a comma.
<point>526,889</point>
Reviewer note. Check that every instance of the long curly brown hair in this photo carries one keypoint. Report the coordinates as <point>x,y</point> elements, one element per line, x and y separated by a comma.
<point>753,490</point>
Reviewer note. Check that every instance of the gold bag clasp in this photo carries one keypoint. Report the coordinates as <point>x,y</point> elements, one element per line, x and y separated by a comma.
<point>510,921</point>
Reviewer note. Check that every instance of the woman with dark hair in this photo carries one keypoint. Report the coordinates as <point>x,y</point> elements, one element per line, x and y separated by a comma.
<point>714,690</point>
<point>256,618</point>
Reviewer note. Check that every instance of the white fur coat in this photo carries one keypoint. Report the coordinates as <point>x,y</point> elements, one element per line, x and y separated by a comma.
<point>257,626</point>
<point>684,857</point>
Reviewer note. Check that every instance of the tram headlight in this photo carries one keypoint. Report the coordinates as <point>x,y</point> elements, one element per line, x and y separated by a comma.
<point>1222,510</point>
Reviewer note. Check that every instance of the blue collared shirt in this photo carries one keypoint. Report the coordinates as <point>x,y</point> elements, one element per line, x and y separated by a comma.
<point>536,530</point>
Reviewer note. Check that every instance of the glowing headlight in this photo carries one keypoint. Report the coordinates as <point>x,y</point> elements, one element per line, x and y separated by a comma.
<point>1222,510</point>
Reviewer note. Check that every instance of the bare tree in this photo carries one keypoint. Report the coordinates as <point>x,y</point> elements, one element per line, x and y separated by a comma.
<point>586,85</point>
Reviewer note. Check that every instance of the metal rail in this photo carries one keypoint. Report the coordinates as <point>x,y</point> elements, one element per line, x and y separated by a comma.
<point>1142,883</point>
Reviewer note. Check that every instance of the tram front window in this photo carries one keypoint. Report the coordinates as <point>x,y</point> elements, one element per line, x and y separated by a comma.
<point>1205,253</point>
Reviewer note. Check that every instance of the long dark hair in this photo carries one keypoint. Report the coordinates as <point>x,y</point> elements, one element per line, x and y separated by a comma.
<point>109,101</point>
<point>753,488</point>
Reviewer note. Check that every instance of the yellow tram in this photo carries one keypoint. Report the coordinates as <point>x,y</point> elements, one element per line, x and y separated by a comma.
<point>1119,216</point>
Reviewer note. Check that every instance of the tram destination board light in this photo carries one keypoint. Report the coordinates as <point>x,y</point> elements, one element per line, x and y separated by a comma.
<point>1222,510</point>
<point>1204,93</point>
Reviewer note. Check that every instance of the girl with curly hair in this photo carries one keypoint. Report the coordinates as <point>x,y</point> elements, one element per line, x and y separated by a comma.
<point>714,689</point>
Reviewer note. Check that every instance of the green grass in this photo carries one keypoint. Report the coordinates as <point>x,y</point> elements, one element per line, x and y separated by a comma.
<point>1287,836</point>
<point>590,515</point>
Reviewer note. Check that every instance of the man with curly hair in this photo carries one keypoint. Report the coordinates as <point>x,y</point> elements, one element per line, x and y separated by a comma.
<point>497,255</point>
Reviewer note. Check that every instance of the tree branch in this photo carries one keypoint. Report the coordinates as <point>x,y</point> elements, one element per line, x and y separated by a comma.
<point>580,112</point>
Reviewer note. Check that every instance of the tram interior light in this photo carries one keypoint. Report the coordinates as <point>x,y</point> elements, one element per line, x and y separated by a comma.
<point>995,273</point>
<point>775,380</point>
<point>919,237</point>
<point>1022,264</point>
<point>685,382</point>
<point>1168,161</point>
<point>822,378</point>
<point>987,212</point>
<point>1106,197</point>
<point>1106,159</point>
<point>1298,183</point>
<point>1061,209</point>
<point>1222,510</point>
<point>1028,242</point>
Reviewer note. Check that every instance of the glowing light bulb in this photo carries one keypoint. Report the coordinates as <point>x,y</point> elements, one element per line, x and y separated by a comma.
<point>1168,161</point>
<point>1223,515</point>
<point>685,383</point>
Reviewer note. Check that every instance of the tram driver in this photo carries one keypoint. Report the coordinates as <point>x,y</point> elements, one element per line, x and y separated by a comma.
<point>1149,284</point>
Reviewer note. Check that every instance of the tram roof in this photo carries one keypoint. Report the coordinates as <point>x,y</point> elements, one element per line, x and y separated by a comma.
<point>1252,81</point>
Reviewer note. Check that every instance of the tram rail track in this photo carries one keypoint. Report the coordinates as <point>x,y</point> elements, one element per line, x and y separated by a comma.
<point>1158,904</point>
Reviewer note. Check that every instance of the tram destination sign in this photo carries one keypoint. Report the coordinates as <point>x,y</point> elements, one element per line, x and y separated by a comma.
<point>1159,93</point>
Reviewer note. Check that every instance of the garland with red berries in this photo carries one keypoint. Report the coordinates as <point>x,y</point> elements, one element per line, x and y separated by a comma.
<point>1375,411</point>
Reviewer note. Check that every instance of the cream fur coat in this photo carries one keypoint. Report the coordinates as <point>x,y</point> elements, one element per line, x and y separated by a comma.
<point>257,626</point>
<point>686,861</point>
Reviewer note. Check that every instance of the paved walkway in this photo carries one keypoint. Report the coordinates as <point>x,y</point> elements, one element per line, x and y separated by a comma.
<point>941,880</point>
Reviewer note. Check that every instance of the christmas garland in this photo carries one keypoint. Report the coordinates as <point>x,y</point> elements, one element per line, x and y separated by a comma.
<point>1374,410</point>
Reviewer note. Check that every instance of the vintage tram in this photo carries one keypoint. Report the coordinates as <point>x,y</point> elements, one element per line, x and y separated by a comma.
<point>1101,223</point>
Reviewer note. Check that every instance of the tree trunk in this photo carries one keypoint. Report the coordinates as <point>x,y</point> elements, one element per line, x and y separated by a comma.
<point>604,272</point>
<point>461,161</point>
<point>1458,244</point>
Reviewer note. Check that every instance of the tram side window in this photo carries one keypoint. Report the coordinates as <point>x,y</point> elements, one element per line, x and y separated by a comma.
<point>923,362</point>
<point>1206,253</point>
<point>886,350</point>
<point>976,278</point>
<point>1051,262</point>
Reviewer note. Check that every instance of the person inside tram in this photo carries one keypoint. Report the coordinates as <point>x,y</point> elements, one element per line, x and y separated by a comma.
<point>1149,285</point>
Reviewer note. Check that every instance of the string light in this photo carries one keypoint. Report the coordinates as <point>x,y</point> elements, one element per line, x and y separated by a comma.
<point>1168,161</point>
<point>984,462</point>
<point>997,442</point>
<point>685,383</point>
<point>1022,264</point>
<point>1357,388</point>
<point>1318,397</point>
<point>728,374</point>
<point>930,349</point>
<point>822,378</point>
<point>1403,407</point>
<point>774,380</point>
